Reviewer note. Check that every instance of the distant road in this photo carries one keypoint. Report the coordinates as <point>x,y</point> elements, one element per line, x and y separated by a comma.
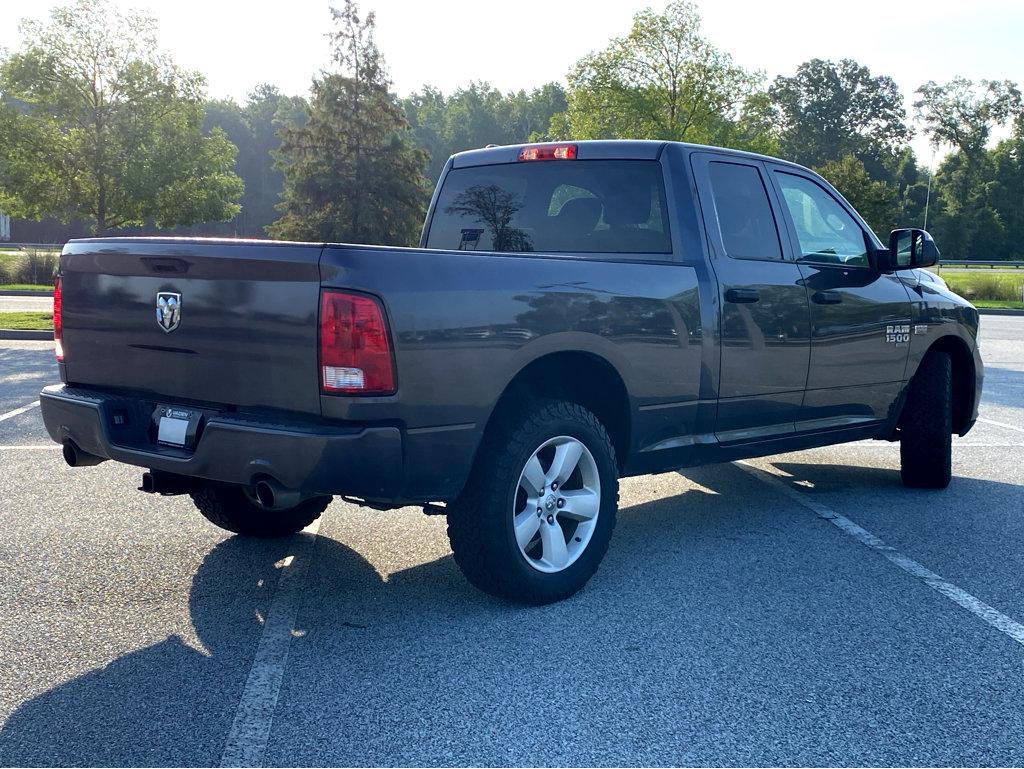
<point>26,303</point>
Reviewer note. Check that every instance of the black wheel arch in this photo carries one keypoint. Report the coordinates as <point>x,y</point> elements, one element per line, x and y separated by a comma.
<point>582,377</point>
<point>964,378</point>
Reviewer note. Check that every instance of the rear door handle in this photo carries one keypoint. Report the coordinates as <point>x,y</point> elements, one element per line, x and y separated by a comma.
<point>826,297</point>
<point>742,295</point>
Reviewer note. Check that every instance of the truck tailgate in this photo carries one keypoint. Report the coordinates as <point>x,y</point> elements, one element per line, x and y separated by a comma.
<point>245,333</point>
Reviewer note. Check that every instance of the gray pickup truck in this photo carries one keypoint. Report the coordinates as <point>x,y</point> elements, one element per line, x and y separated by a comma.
<point>576,313</point>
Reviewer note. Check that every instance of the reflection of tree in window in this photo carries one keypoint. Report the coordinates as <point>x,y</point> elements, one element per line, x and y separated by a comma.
<point>494,207</point>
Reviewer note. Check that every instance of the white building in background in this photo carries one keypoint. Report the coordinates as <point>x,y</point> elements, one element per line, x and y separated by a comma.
<point>5,227</point>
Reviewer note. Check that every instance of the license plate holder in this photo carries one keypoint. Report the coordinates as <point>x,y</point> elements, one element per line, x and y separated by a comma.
<point>177,426</point>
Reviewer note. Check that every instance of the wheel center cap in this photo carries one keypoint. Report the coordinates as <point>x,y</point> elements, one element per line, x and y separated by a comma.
<point>549,503</point>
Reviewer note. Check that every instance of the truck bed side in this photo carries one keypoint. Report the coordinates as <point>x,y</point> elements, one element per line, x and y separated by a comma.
<point>465,325</point>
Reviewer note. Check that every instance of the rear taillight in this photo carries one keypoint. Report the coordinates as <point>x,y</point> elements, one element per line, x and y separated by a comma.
<point>58,322</point>
<point>548,152</point>
<point>355,350</point>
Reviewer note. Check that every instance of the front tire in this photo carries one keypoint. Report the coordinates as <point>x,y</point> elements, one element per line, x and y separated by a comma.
<point>538,511</point>
<point>230,508</point>
<point>926,426</point>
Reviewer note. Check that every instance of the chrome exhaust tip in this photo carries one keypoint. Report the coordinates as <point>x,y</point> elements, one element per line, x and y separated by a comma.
<point>273,496</point>
<point>75,457</point>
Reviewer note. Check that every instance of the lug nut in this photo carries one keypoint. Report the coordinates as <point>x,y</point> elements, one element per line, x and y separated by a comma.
<point>561,503</point>
<point>551,519</point>
<point>554,487</point>
<point>539,512</point>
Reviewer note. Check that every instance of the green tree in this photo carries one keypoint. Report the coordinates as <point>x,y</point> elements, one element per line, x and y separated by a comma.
<point>912,183</point>
<point>877,201</point>
<point>661,81</point>
<point>756,129</point>
<point>353,171</point>
<point>266,112</point>
<point>97,123</point>
<point>970,222</point>
<point>531,112</point>
<point>425,112</point>
<point>962,115</point>
<point>253,128</point>
<point>1007,190</point>
<point>829,110</point>
<point>478,115</point>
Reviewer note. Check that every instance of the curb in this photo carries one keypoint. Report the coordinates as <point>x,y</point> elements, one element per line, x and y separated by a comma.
<point>996,311</point>
<point>26,334</point>
<point>9,292</point>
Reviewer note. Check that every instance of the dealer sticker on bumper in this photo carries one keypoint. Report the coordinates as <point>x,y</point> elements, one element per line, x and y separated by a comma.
<point>174,424</point>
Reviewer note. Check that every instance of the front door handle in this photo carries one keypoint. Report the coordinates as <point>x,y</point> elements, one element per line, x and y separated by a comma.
<point>826,297</point>
<point>742,295</point>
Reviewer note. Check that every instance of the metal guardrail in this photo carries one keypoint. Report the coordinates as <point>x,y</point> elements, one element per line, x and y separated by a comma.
<point>968,264</point>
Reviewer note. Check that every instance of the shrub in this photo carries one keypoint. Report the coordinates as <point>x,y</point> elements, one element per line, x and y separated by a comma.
<point>7,269</point>
<point>991,287</point>
<point>37,267</point>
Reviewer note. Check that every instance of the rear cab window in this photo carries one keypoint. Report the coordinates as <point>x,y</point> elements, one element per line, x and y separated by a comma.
<point>558,206</point>
<point>744,215</point>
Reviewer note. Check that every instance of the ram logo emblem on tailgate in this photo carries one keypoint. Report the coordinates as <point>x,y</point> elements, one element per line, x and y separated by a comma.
<point>168,310</point>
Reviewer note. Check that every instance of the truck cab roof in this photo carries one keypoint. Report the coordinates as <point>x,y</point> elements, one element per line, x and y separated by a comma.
<point>597,149</point>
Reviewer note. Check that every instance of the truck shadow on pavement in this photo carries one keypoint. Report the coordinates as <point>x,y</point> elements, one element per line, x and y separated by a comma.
<point>168,704</point>
<point>650,664</point>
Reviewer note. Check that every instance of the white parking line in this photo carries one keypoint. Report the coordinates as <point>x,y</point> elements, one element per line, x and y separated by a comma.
<point>47,447</point>
<point>250,730</point>
<point>887,445</point>
<point>987,421</point>
<point>980,445</point>
<point>16,412</point>
<point>993,617</point>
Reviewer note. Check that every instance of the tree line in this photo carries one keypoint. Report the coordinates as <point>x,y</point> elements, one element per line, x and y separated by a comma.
<point>98,124</point>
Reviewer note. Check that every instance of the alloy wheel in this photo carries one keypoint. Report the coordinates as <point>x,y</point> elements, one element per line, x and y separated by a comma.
<point>556,505</point>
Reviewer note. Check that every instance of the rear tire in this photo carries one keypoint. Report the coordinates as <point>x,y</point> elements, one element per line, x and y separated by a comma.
<point>926,426</point>
<point>230,508</point>
<point>565,531</point>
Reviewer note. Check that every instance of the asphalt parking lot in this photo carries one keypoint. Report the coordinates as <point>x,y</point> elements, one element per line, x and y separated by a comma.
<point>802,609</point>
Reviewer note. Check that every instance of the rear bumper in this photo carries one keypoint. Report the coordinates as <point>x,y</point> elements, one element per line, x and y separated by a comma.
<point>314,458</point>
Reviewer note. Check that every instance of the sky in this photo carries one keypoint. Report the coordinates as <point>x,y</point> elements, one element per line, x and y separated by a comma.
<point>446,43</point>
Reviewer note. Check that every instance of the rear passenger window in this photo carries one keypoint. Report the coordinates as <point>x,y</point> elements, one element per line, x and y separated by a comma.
<point>744,214</point>
<point>557,206</point>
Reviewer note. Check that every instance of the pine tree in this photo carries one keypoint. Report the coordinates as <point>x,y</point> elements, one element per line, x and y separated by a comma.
<point>353,172</point>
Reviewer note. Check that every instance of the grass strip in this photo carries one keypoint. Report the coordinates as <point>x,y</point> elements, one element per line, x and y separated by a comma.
<point>26,321</point>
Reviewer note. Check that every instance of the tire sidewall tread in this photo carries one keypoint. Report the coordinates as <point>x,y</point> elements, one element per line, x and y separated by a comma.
<point>480,526</point>
<point>229,508</point>
<point>926,425</point>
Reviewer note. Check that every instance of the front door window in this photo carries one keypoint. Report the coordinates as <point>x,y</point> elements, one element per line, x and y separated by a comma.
<point>826,233</point>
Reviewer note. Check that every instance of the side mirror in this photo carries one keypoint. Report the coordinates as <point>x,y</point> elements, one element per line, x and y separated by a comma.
<point>908,248</point>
